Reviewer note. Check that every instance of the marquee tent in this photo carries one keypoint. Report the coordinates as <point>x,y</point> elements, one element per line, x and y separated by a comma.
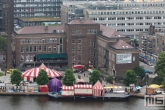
<point>54,85</point>
<point>83,89</point>
<point>78,67</point>
<point>67,91</point>
<point>30,74</point>
<point>98,89</point>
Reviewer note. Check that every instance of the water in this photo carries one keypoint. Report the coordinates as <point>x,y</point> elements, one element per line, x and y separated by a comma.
<point>44,103</point>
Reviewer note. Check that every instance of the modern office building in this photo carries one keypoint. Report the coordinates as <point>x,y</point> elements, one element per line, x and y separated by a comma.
<point>80,41</point>
<point>151,43</point>
<point>37,8</point>
<point>6,29</point>
<point>128,18</point>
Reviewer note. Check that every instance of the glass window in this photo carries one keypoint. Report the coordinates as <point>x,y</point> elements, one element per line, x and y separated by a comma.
<point>44,49</point>
<point>22,49</point>
<point>34,48</point>
<point>73,41</point>
<point>79,41</point>
<point>79,48</point>
<point>79,57</point>
<point>39,48</point>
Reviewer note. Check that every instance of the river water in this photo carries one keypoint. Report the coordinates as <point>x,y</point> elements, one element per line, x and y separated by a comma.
<point>44,103</point>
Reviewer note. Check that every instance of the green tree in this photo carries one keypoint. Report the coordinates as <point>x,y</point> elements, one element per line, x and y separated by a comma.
<point>42,78</point>
<point>69,78</point>
<point>134,42</point>
<point>160,65</point>
<point>3,43</point>
<point>139,71</point>
<point>96,75</point>
<point>163,84</point>
<point>16,77</point>
<point>109,79</point>
<point>130,78</point>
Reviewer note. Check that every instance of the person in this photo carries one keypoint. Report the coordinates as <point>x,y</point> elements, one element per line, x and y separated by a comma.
<point>84,74</point>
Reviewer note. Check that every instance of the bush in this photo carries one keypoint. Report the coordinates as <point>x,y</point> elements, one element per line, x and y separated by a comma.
<point>157,80</point>
<point>1,74</point>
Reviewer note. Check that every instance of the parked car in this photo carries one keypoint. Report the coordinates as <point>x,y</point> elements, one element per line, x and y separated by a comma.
<point>148,71</point>
<point>145,61</point>
<point>10,71</point>
<point>149,63</point>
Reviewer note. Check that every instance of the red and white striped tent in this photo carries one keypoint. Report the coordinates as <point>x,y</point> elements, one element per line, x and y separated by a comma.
<point>67,91</point>
<point>98,89</point>
<point>83,89</point>
<point>30,74</point>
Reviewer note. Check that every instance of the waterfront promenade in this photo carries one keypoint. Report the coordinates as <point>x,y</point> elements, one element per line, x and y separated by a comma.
<point>85,76</point>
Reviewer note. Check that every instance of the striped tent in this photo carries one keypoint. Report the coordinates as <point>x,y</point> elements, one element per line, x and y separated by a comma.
<point>83,89</point>
<point>30,74</point>
<point>67,91</point>
<point>98,89</point>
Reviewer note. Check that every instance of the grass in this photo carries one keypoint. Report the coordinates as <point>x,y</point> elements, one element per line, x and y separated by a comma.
<point>157,80</point>
<point>41,19</point>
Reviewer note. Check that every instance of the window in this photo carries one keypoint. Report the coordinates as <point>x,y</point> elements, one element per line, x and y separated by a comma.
<point>79,48</point>
<point>49,48</point>
<point>22,49</point>
<point>73,57</point>
<point>79,57</point>
<point>73,41</point>
<point>22,58</point>
<point>54,48</point>
<point>73,48</point>
<point>44,49</point>
<point>74,32</point>
<point>79,41</point>
<point>39,48</point>
<point>90,42</point>
<point>61,49</point>
<point>27,49</point>
<point>34,49</point>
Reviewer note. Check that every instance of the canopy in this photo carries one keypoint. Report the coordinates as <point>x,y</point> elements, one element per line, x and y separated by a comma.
<point>33,73</point>
<point>154,86</point>
<point>78,67</point>
<point>54,85</point>
<point>90,70</point>
<point>138,87</point>
<point>108,87</point>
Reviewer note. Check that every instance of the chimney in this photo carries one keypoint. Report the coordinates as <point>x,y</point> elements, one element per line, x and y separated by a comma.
<point>46,28</point>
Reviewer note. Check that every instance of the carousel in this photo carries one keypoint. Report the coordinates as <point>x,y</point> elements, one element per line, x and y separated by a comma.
<point>31,74</point>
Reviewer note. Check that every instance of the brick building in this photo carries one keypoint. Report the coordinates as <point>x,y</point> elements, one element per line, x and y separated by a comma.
<point>151,43</point>
<point>79,42</point>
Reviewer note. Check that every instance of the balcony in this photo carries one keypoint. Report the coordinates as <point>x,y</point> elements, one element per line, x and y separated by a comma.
<point>150,47</point>
<point>149,41</point>
<point>144,45</point>
<point>144,39</point>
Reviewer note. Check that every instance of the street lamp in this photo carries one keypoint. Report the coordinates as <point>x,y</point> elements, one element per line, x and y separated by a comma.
<point>146,77</point>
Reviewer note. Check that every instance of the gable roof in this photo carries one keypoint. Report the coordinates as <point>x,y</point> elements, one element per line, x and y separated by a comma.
<point>82,21</point>
<point>121,44</point>
<point>40,29</point>
<point>109,32</point>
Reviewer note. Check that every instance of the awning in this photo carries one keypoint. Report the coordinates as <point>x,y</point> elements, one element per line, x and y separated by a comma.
<point>52,56</point>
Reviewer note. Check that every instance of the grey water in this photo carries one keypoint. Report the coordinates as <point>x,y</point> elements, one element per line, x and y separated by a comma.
<point>44,103</point>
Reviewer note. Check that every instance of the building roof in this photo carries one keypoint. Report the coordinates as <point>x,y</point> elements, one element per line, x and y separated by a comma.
<point>121,44</point>
<point>41,29</point>
<point>82,21</point>
<point>109,32</point>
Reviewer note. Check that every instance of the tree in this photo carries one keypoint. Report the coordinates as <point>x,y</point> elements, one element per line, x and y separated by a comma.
<point>139,71</point>
<point>96,75</point>
<point>130,78</point>
<point>69,78</point>
<point>163,84</point>
<point>3,43</point>
<point>16,77</point>
<point>42,78</point>
<point>109,79</point>
<point>160,65</point>
<point>134,42</point>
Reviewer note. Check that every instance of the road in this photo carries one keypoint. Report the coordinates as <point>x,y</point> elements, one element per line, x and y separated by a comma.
<point>150,68</point>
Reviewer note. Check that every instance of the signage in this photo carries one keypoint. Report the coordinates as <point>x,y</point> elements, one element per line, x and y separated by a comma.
<point>123,58</point>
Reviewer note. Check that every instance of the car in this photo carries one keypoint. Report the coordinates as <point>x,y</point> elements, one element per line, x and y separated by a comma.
<point>148,71</point>
<point>149,63</point>
<point>10,71</point>
<point>158,91</point>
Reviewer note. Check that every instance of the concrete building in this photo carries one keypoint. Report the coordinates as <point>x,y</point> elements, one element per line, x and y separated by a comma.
<point>37,8</point>
<point>6,29</point>
<point>128,18</point>
<point>81,41</point>
<point>151,43</point>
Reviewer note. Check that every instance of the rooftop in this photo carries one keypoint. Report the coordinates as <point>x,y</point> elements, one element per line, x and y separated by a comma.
<point>109,32</point>
<point>33,19</point>
<point>82,21</point>
<point>121,44</point>
<point>41,29</point>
